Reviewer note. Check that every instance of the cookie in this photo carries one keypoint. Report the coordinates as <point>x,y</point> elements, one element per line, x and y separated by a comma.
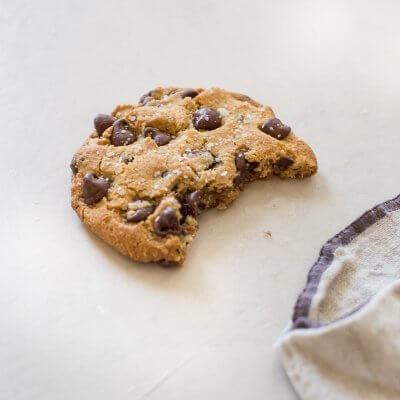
<point>145,174</point>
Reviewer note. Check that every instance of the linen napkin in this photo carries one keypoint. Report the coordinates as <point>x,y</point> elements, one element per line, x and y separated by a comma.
<point>344,339</point>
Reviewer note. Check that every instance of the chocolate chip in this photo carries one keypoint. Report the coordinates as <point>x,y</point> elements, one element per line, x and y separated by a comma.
<point>73,166</point>
<point>141,214</point>
<point>275,128</point>
<point>193,200</point>
<point>146,98</point>
<point>167,223</point>
<point>164,174</point>
<point>122,134</point>
<point>207,118</point>
<point>161,138</point>
<point>244,168</point>
<point>241,162</point>
<point>283,164</point>
<point>189,93</point>
<point>94,188</point>
<point>102,122</point>
<point>192,204</point>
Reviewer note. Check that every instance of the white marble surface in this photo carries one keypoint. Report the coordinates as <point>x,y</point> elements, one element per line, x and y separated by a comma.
<point>78,321</point>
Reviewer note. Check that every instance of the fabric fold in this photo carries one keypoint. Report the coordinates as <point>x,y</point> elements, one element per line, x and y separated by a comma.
<point>344,340</point>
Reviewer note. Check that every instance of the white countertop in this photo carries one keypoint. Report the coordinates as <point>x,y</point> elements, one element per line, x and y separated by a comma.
<point>78,320</point>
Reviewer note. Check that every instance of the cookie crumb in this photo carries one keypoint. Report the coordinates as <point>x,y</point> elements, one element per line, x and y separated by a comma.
<point>267,234</point>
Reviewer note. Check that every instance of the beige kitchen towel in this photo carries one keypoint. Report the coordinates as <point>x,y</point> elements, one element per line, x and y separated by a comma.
<point>344,339</point>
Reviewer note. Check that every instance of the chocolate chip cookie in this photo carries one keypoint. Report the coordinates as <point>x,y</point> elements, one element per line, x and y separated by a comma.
<point>147,171</point>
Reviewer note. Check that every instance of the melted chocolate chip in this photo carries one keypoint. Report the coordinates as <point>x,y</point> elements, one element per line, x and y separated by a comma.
<point>244,168</point>
<point>122,134</point>
<point>146,98</point>
<point>207,119</point>
<point>141,214</point>
<point>102,122</point>
<point>189,93</point>
<point>167,223</point>
<point>73,166</point>
<point>283,164</point>
<point>275,128</point>
<point>94,188</point>
<point>192,204</point>
<point>161,138</point>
